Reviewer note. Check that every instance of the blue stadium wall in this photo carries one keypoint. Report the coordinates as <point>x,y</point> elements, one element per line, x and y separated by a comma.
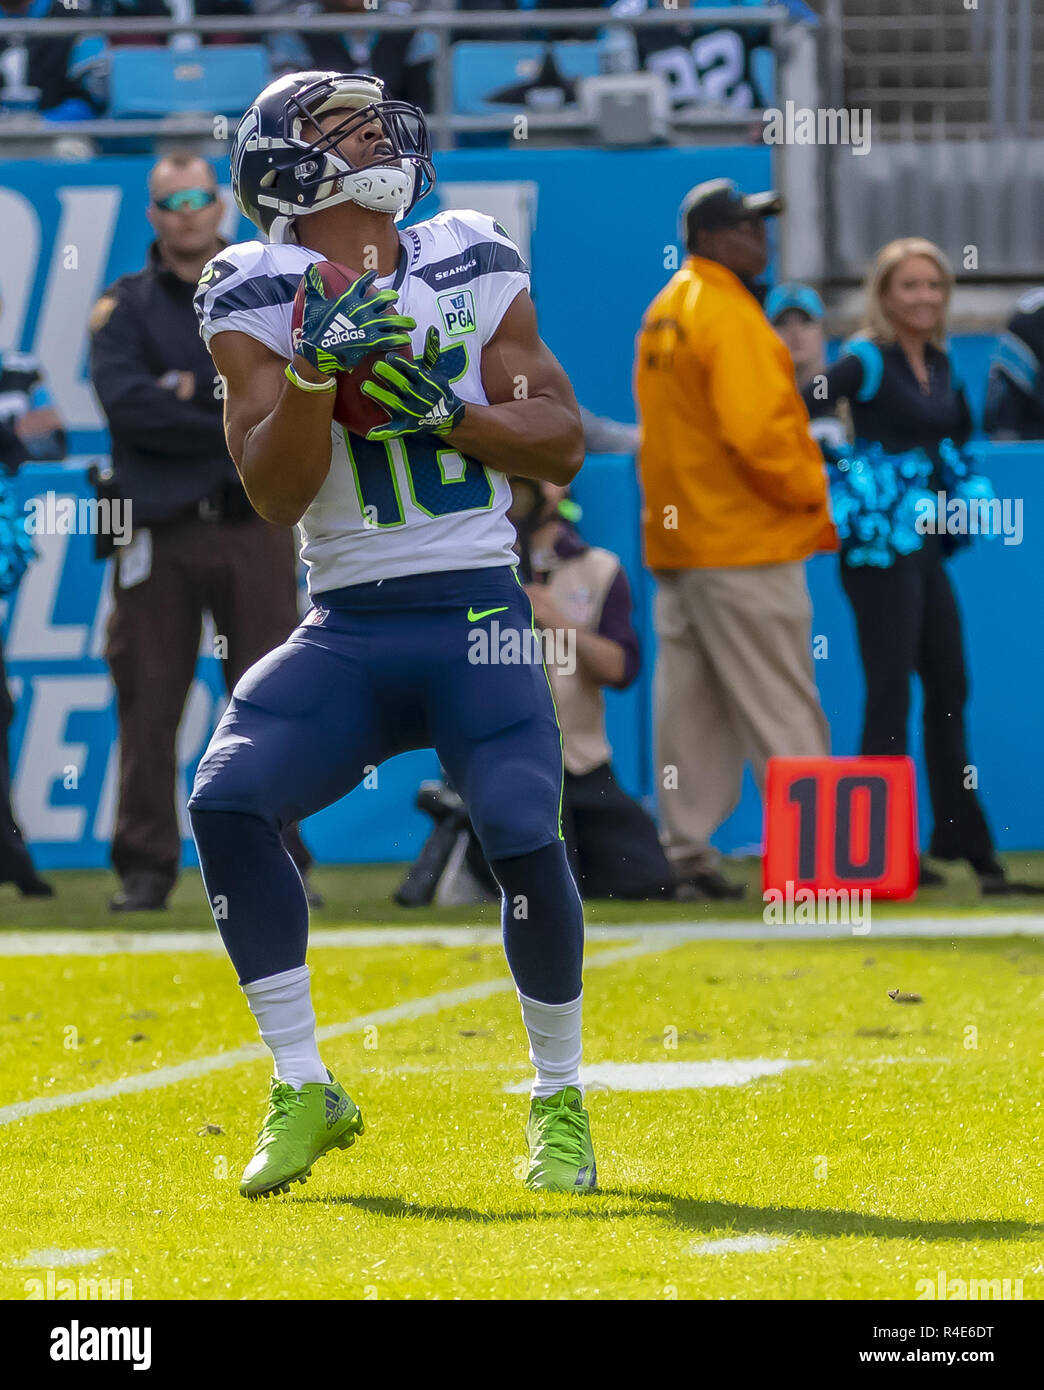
<point>601,236</point>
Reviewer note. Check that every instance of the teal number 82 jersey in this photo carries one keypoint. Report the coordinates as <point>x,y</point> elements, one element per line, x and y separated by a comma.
<point>410,505</point>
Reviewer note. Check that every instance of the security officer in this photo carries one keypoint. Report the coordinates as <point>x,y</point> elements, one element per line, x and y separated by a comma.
<point>735,502</point>
<point>197,544</point>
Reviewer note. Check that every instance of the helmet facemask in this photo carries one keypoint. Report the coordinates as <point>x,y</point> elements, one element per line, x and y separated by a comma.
<point>321,172</point>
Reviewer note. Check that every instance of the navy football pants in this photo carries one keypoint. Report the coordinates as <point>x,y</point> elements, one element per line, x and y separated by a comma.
<point>374,670</point>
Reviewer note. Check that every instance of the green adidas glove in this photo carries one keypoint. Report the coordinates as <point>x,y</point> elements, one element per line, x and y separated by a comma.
<point>336,334</point>
<point>417,395</point>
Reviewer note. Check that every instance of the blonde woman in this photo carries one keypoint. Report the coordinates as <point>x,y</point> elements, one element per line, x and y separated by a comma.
<point>903,394</point>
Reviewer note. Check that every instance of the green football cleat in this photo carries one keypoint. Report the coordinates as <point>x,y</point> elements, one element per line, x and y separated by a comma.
<point>299,1128</point>
<point>561,1155</point>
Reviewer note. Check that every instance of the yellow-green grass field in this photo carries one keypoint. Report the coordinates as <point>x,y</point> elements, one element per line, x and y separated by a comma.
<point>845,1145</point>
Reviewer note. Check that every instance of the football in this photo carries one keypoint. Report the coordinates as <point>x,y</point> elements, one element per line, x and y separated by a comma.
<point>356,412</point>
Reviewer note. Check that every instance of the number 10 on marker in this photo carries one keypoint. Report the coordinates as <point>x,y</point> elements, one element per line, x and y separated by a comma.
<point>841,823</point>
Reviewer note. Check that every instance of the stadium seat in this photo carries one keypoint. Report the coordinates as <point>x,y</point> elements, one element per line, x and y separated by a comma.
<point>154,82</point>
<point>481,69</point>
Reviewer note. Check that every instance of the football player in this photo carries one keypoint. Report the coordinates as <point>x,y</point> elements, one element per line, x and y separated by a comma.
<point>408,548</point>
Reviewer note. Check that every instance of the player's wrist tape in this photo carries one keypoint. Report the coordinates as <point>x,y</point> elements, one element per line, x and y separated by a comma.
<point>310,386</point>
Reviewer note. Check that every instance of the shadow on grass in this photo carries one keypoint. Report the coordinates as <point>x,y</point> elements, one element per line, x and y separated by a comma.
<point>699,1217</point>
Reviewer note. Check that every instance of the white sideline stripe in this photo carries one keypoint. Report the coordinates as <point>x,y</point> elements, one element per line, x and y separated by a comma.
<point>694,1076</point>
<point>673,1076</point>
<point>459,1068</point>
<point>58,1259</point>
<point>735,1245</point>
<point>90,943</point>
<point>252,1052</point>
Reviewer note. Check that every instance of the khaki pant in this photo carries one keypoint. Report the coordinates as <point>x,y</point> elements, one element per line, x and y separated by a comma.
<point>733,684</point>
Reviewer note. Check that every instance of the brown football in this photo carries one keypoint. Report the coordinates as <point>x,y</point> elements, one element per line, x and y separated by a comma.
<point>352,409</point>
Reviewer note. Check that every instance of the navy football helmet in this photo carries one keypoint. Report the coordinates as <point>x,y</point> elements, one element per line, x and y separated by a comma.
<point>280,173</point>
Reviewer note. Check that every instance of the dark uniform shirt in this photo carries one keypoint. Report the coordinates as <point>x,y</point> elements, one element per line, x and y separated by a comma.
<point>1015,394</point>
<point>889,405</point>
<point>169,456</point>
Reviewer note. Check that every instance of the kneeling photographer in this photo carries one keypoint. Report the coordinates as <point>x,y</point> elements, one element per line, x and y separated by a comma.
<point>582,603</point>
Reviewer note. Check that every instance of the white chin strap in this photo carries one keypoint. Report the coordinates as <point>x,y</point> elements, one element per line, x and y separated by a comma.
<point>384,189</point>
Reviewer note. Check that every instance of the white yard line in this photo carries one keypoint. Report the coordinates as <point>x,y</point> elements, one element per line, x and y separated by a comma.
<point>610,1076</point>
<point>673,1076</point>
<point>252,1052</point>
<point>59,1259</point>
<point>735,1245</point>
<point>90,943</point>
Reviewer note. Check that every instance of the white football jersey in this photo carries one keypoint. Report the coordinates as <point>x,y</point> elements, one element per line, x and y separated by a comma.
<point>411,505</point>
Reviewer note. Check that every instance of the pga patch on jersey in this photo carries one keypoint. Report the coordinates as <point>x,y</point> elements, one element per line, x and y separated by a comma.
<point>458,311</point>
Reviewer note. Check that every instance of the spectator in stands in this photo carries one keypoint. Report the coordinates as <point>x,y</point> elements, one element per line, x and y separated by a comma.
<point>60,77</point>
<point>197,544</point>
<point>735,501</point>
<point>901,388</point>
<point>177,10</point>
<point>1015,394</point>
<point>31,425</point>
<point>581,591</point>
<point>702,64</point>
<point>796,313</point>
<point>400,58</point>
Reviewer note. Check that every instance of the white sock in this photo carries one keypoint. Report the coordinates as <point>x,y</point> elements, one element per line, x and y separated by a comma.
<point>554,1043</point>
<point>282,1005</point>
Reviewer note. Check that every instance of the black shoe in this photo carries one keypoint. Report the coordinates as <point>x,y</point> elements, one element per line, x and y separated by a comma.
<point>711,885</point>
<point>34,886</point>
<point>929,878</point>
<point>998,885</point>
<point>16,867</point>
<point>141,891</point>
<point>29,883</point>
<point>994,881</point>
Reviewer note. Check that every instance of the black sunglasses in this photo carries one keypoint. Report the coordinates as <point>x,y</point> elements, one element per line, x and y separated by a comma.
<point>187,200</point>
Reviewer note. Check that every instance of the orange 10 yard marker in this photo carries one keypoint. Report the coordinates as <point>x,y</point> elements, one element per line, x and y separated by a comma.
<point>841,823</point>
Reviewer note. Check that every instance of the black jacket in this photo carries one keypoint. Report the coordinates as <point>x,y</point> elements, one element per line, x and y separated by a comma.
<point>167,454</point>
<point>1015,394</point>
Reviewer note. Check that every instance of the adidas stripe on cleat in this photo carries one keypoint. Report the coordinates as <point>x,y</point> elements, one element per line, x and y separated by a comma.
<point>300,1126</point>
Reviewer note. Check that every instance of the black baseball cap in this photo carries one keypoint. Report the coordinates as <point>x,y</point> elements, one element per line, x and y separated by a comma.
<point>719,203</point>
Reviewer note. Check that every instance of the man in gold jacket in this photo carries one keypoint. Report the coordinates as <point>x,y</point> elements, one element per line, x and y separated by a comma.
<point>735,501</point>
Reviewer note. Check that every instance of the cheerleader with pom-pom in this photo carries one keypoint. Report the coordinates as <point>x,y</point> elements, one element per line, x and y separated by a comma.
<point>911,423</point>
